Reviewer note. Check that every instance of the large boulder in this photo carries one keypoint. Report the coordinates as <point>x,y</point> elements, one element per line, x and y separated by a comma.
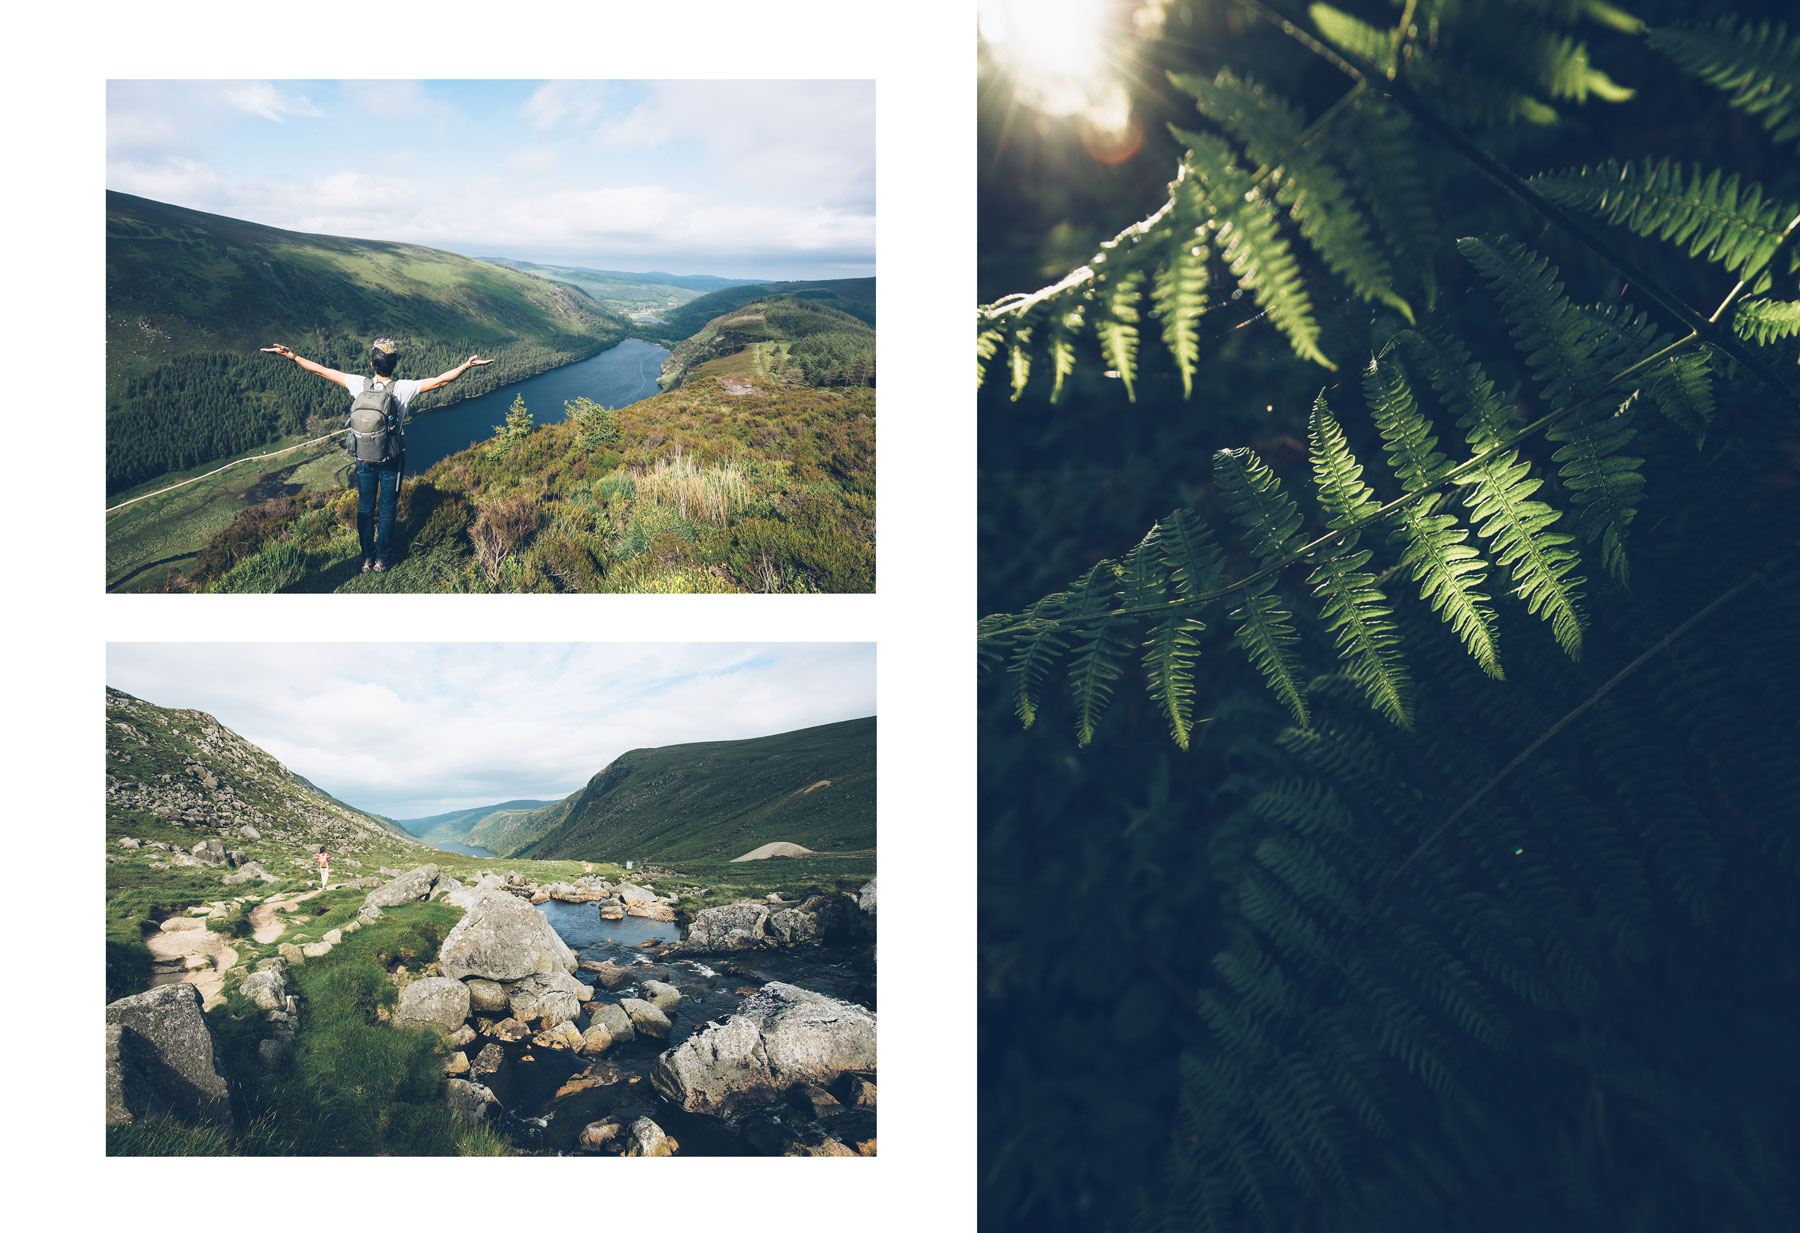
<point>646,1020</point>
<point>792,927</point>
<point>662,995</point>
<point>472,1101</point>
<point>433,1002</point>
<point>163,1057</point>
<point>488,997</point>
<point>611,1021</point>
<point>733,926</point>
<point>780,1036</point>
<point>865,899</point>
<point>505,939</point>
<point>630,892</point>
<point>645,1138</point>
<point>268,988</point>
<point>553,997</point>
<point>407,888</point>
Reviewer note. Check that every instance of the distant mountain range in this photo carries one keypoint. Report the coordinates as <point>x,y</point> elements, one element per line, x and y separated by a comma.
<point>627,292</point>
<point>471,826</point>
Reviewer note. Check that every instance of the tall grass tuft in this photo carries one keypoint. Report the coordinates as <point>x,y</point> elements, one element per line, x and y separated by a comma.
<point>709,494</point>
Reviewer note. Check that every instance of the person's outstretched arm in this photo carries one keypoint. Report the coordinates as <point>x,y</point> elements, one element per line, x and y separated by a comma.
<point>445,378</point>
<point>330,374</point>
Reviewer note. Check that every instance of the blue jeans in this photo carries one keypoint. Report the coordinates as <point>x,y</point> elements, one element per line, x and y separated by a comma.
<point>376,534</point>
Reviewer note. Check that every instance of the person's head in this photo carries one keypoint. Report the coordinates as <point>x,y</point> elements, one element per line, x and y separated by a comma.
<point>384,353</point>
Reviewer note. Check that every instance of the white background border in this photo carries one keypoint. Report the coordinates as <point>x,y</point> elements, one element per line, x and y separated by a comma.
<point>921,55</point>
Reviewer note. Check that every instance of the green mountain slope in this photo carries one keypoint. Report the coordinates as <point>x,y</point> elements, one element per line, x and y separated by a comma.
<point>190,297</point>
<point>720,799</point>
<point>626,292</point>
<point>453,826</point>
<point>855,296</point>
<point>183,769</point>
<point>777,341</point>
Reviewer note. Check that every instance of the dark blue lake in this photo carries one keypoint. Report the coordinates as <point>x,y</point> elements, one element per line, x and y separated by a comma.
<point>616,377</point>
<point>465,848</point>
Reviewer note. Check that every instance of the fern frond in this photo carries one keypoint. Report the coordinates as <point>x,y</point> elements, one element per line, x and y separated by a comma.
<point>987,346</point>
<point>1041,643</point>
<point>1180,297</point>
<point>1713,215</point>
<point>1354,35</point>
<point>1758,65</point>
<point>1449,572</point>
<point>1606,484</point>
<point>1557,340</point>
<point>1766,321</point>
<point>1315,193</point>
<point>1118,331</point>
<point>1271,523</point>
<point>1194,563</point>
<point>1062,348</point>
<point>1254,247</point>
<point>1098,663</point>
<point>1387,174</point>
<point>1355,610</point>
<point>1019,361</point>
<point>1541,562</point>
<point>1680,386</point>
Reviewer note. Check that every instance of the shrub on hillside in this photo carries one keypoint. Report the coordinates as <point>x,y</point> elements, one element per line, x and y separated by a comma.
<point>503,527</point>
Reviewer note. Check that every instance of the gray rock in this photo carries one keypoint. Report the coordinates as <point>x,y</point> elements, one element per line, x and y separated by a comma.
<point>629,892</point>
<point>462,1037</point>
<point>733,926</point>
<point>487,996</point>
<point>130,845</point>
<point>665,997</point>
<point>444,885</point>
<point>334,936</point>
<point>433,1002</point>
<point>553,997</point>
<point>645,1138</point>
<point>268,988</point>
<point>503,938</point>
<point>488,1060</point>
<point>316,950</point>
<point>471,1101</point>
<point>164,1056</point>
<point>269,1052</point>
<point>780,1036</point>
<point>490,882</point>
<point>116,1112</point>
<point>646,1019</point>
<point>290,954</point>
<point>466,897</point>
<point>407,888</point>
<point>792,927</point>
<point>235,857</point>
<point>249,832</point>
<point>614,1022</point>
<point>865,898</point>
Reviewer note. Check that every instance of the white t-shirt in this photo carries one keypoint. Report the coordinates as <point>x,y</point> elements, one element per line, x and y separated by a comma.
<point>404,391</point>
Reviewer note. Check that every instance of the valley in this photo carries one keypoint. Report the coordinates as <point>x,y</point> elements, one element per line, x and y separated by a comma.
<point>430,1002</point>
<point>752,470</point>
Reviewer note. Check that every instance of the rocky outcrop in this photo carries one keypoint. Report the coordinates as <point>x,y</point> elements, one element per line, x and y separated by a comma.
<point>504,939</point>
<point>865,899</point>
<point>471,1101</point>
<point>268,988</point>
<point>163,1057</point>
<point>487,997</point>
<point>433,1002</point>
<point>733,926</point>
<point>780,1036</point>
<point>409,887</point>
<point>550,997</point>
<point>646,1020</point>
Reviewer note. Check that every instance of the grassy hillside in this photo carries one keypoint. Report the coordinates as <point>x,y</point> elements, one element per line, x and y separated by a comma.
<point>628,292</point>
<point>453,826</point>
<point>718,486</point>
<point>715,800</point>
<point>854,296</point>
<point>777,342</point>
<point>190,297</point>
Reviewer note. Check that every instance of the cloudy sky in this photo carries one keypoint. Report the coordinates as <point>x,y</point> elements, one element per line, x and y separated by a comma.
<point>410,730</point>
<point>743,179</point>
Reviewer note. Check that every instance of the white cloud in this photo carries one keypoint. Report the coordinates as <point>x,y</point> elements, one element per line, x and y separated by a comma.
<point>169,179</point>
<point>415,730</point>
<point>566,102</point>
<point>396,100</point>
<point>265,99</point>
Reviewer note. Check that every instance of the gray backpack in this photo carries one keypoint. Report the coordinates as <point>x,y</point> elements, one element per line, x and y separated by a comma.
<point>374,425</point>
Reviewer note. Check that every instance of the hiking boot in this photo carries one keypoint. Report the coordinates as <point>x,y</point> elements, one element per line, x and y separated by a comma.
<point>367,566</point>
<point>380,568</point>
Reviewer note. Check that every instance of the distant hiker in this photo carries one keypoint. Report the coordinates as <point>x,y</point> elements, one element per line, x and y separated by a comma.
<point>376,439</point>
<point>324,867</point>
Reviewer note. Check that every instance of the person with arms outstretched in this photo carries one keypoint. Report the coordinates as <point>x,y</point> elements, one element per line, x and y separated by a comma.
<point>377,440</point>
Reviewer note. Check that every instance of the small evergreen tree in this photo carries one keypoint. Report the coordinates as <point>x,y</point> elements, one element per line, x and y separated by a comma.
<point>596,427</point>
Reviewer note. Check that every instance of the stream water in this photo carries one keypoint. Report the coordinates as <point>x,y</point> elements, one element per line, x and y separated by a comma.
<point>711,989</point>
<point>616,377</point>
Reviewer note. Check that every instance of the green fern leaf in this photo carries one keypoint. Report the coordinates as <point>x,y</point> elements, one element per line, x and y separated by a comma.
<point>1354,35</point>
<point>1680,386</point>
<point>1020,361</point>
<point>1434,547</point>
<point>1765,321</point>
<point>1715,216</point>
<point>1062,349</point>
<point>1098,663</point>
<point>1194,564</point>
<point>1387,174</point>
<point>1355,610</point>
<point>1316,194</point>
<point>1271,523</point>
<point>1540,561</point>
<point>1180,296</point>
<point>987,346</point>
<point>1118,330</point>
<point>1254,248</point>
<point>1758,65</point>
<point>1041,643</point>
<point>1606,485</point>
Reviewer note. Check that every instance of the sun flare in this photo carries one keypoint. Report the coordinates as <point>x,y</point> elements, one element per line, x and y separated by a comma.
<point>1057,53</point>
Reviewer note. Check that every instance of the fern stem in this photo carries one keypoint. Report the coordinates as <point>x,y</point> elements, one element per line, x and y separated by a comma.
<point>1501,175</point>
<point>1311,132</point>
<point>1370,519</point>
<point>1771,265</point>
